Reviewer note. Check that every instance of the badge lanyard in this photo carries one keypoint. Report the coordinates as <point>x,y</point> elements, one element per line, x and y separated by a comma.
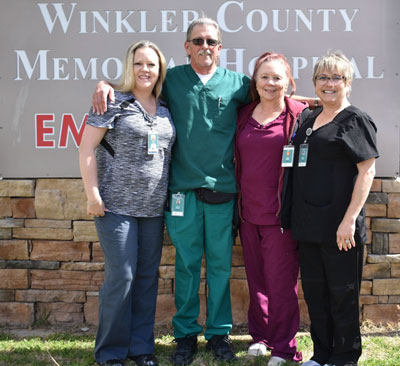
<point>303,153</point>
<point>152,142</point>
<point>287,156</point>
<point>152,136</point>
<point>288,152</point>
<point>177,204</point>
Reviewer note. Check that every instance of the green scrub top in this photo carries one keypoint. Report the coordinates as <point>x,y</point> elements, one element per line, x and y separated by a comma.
<point>205,122</point>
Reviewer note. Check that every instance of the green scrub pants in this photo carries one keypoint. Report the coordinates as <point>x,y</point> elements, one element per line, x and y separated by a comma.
<point>204,228</point>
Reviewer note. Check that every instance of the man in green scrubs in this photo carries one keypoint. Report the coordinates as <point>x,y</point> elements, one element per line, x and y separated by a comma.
<point>203,99</point>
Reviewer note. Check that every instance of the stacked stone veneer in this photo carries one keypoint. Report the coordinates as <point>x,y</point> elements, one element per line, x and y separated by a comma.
<point>51,264</point>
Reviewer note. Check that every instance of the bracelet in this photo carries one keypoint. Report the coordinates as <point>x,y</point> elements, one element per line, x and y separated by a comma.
<point>316,103</point>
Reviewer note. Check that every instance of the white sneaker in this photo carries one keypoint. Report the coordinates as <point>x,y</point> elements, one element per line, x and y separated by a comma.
<point>276,361</point>
<point>257,349</point>
<point>310,363</point>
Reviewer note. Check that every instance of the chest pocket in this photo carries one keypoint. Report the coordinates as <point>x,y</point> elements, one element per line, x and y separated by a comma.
<point>215,110</point>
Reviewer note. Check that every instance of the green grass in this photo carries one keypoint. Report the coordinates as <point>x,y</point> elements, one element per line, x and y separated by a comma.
<point>380,348</point>
<point>67,350</point>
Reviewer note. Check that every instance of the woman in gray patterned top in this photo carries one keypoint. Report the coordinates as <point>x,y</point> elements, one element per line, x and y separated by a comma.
<point>124,161</point>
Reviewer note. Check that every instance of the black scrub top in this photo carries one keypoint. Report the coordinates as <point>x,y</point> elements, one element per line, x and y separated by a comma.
<point>322,189</point>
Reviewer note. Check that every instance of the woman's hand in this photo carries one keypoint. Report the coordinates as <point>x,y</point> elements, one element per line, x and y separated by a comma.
<point>346,229</point>
<point>345,235</point>
<point>96,208</point>
<point>88,165</point>
<point>99,99</point>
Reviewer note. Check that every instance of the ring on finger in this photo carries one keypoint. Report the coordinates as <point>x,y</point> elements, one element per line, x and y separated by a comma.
<point>347,241</point>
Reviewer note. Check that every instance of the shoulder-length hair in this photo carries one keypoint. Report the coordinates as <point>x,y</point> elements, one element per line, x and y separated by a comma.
<point>127,82</point>
<point>268,57</point>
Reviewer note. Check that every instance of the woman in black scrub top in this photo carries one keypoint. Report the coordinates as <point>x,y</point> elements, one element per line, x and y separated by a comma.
<point>334,166</point>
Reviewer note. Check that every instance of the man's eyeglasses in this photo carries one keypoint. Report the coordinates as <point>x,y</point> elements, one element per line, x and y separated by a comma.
<point>200,41</point>
<point>336,79</point>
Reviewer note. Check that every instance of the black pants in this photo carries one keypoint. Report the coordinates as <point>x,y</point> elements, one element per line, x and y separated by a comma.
<point>331,281</point>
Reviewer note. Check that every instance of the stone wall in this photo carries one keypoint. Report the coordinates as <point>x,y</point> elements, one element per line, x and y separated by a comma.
<point>51,264</point>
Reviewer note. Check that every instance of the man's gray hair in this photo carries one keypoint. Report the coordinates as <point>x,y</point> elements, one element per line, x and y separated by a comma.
<point>203,21</point>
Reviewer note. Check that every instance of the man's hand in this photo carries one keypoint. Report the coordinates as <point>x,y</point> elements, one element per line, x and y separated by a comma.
<point>99,99</point>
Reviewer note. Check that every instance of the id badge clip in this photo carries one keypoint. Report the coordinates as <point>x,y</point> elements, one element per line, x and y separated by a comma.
<point>287,156</point>
<point>152,143</point>
<point>177,204</point>
<point>303,154</point>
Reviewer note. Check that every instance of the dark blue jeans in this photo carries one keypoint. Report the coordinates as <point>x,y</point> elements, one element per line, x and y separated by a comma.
<point>127,301</point>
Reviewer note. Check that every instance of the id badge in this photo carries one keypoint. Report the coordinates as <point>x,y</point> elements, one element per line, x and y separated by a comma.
<point>288,156</point>
<point>303,153</point>
<point>152,143</point>
<point>177,204</point>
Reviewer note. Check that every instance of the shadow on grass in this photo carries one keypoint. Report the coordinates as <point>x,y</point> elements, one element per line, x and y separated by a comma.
<point>165,347</point>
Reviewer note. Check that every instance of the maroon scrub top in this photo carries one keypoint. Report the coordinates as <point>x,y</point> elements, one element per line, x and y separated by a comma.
<point>261,149</point>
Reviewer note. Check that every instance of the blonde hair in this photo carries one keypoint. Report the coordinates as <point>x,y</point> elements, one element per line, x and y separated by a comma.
<point>127,82</point>
<point>335,62</point>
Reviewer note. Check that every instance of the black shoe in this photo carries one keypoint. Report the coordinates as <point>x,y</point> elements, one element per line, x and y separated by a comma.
<point>185,349</point>
<point>114,362</point>
<point>222,348</point>
<point>145,360</point>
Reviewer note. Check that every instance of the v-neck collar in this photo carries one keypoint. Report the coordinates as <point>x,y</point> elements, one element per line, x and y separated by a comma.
<point>198,81</point>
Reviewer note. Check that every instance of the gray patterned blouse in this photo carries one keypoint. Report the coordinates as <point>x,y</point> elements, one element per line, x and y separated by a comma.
<point>133,182</point>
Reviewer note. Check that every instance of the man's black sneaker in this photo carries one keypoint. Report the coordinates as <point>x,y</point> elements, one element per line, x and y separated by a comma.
<point>222,348</point>
<point>185,349</point>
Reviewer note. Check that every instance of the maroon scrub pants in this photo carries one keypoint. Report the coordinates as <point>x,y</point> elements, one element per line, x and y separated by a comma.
<point>272,268</point>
